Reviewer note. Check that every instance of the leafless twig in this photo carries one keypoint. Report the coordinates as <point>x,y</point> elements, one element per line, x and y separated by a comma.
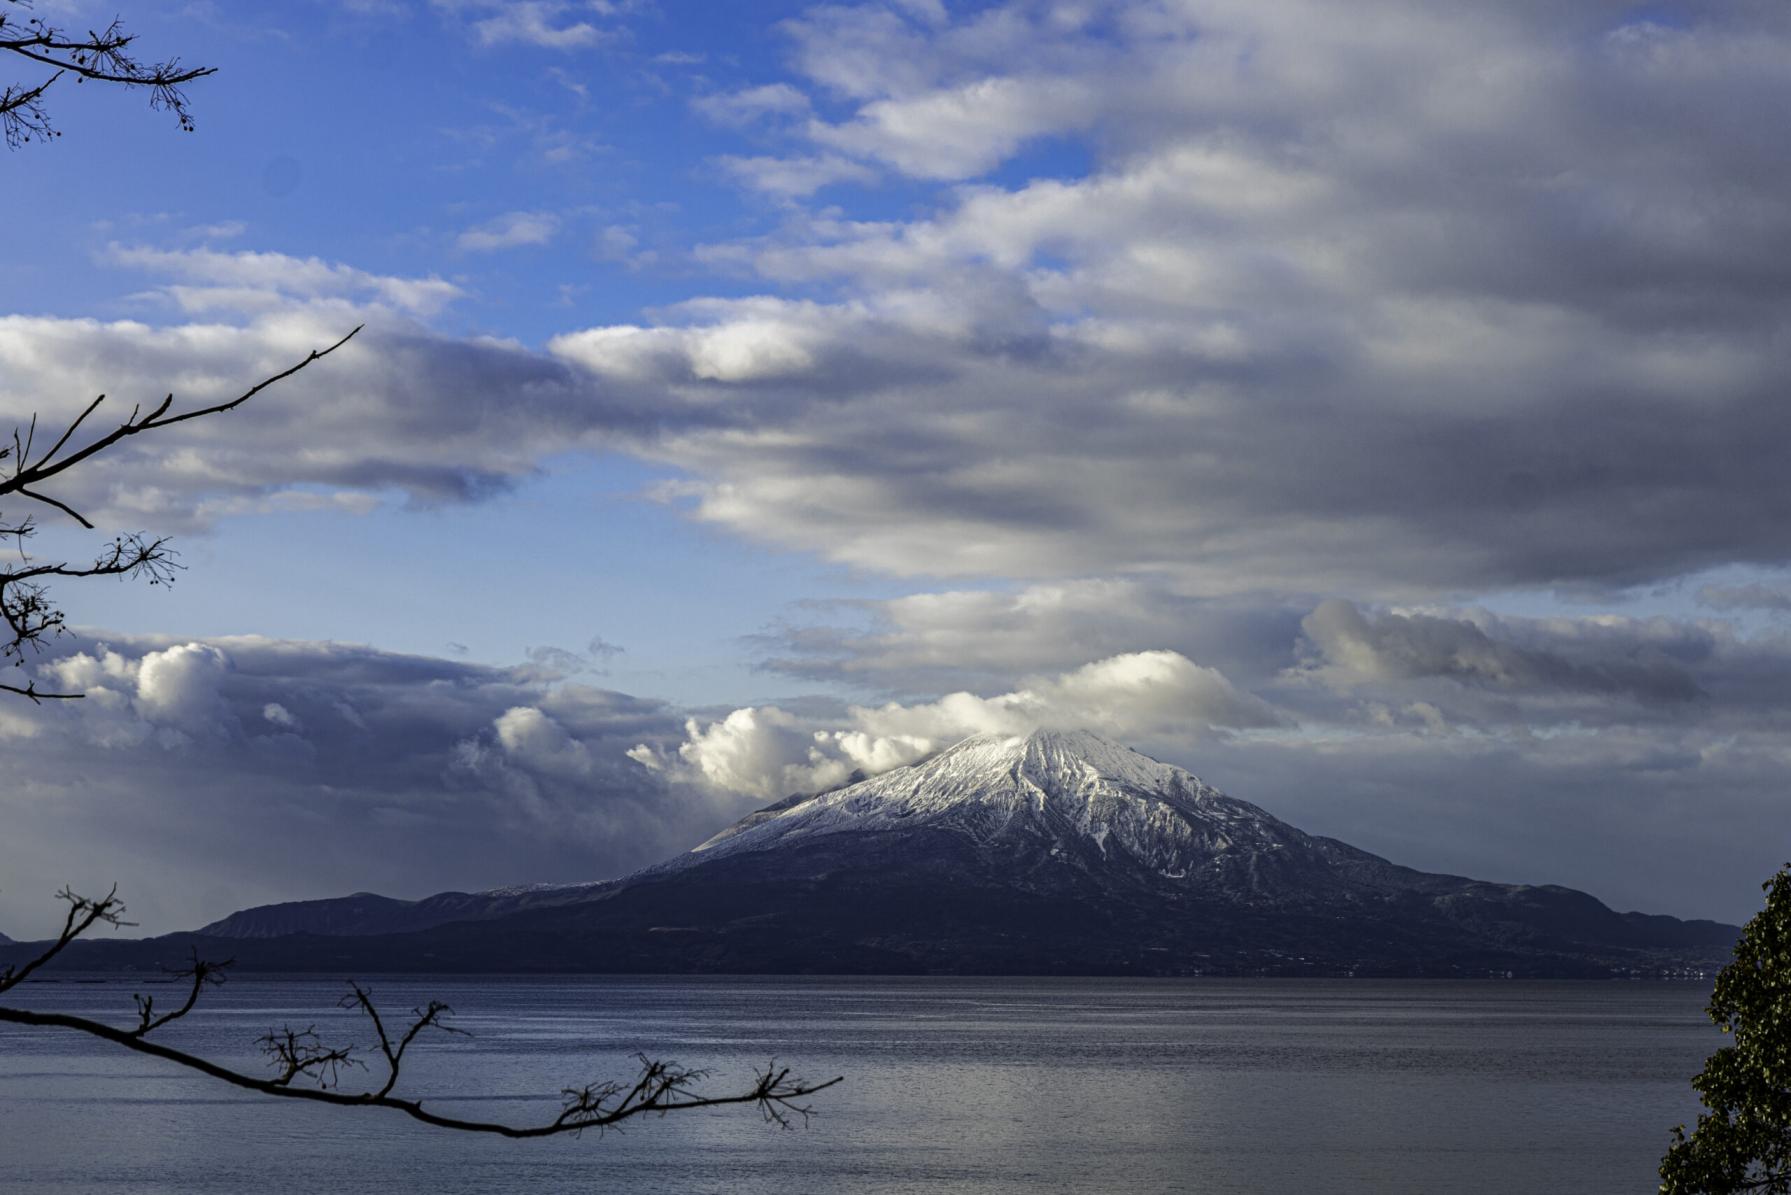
<point>660,1087</point>
<point>30,617</point>
<point>102,56</point>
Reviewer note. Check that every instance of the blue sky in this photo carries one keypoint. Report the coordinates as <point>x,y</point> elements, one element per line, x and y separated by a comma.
<point>1378,414</point>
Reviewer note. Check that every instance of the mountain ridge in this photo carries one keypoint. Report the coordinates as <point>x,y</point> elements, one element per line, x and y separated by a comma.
<point>1053,852</point>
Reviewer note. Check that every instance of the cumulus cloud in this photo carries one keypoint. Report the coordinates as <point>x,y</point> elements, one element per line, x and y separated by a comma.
<point>960,132</point>
<point>1399,302</point>
<point>980,638</point>
<point>1405,304</point>
<point>186,759</point>
<point>181,687</point>
<point>768,752</point>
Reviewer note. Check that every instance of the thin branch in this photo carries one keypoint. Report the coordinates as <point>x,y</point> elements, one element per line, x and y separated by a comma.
<point>101,57</point>
<point>774,1092</point>
<point>64,507</point>
<point>429,1017</point>
<point>302,1054</point>
<point>29,475</point>
<point>83,914</point>
<point>38,696</point>
<point>25,605</point>
<point>660,1087</point>
<point>202,973</point>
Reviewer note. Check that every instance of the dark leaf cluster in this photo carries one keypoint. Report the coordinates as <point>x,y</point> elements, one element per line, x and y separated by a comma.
<point>1743,1141</point>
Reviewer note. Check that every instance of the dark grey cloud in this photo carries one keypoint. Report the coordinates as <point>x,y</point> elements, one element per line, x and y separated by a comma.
<point>1753,595</point>
<point>203,776</point>
<point>985,639</point>
<point>1686,821</point>
<point>1478,672</point>
<point>565,662</point>
<point>1397,301</point>
<point>435,418</point>
<point>1353,647</point>
<point>1411,301</point>
<point>1639,758</point>
<point>207,775</point>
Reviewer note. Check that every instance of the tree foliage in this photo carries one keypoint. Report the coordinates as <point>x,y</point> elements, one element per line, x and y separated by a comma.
<point>1743,1143</point>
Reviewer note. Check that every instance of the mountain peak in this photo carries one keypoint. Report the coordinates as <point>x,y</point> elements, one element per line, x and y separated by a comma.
<point>1057,753</point>
<point>1051,851</point>
<point>1066,788</point>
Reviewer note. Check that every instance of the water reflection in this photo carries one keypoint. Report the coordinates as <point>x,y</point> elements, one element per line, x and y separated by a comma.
<point>977,1086</point>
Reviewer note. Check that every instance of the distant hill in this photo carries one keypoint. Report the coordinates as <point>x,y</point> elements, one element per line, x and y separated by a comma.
<point>1053,853</point>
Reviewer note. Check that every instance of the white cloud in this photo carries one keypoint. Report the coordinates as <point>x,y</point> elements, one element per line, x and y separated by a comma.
<point>768,752</point>
<point>250,280</point>
<point>963,131</point>
<point>751,104</point>
<point>547,24</point>
<point>536,741</point>
<point>278,715</point>
<point>510,231</point>
<point>789,177</point>
<point>181,687</point>
<point>1297,328</point>
<point>185,759</point>
<point>398,410</point>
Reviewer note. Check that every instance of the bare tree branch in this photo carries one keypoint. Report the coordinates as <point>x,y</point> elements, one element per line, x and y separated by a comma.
<point>29,615</point>
<point>202,973</point>
<point>27,473</point>
<point>82,914</point>
<point>660,1087</point>
<point>430,1017</point>
<point>99,57</point>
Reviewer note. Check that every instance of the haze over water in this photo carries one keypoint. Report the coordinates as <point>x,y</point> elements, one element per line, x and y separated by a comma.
<point>961,1085</point>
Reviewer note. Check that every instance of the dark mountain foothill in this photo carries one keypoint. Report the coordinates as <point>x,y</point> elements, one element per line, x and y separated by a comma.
<point>1050,853</point>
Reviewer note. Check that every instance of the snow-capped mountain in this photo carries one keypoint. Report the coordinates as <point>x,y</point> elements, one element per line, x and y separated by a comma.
<point>1054,852</point>
<point>1074,798</point>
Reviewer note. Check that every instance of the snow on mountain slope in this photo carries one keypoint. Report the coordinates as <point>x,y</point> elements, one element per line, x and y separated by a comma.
<point>1048,853</point>
<point>1065,791</point>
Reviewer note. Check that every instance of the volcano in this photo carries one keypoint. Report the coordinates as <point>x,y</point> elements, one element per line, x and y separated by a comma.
<point>1049,853</point>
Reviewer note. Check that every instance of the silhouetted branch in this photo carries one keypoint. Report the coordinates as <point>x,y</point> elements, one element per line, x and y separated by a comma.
<point>429,1017</point>
<point>27,473</point>
<point>659,1088</point>
<point>296,1053</point>
<point>30,616</point>
<point>82,914</point>
<point>201,973</point>
<point>99,57</point>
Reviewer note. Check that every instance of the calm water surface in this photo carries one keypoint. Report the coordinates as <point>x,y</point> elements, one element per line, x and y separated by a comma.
<point>964,1085</point>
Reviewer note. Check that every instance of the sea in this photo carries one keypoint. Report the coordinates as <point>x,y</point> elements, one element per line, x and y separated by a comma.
<point>980,1086</point>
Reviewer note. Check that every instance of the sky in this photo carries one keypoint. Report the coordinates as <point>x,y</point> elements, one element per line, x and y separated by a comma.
<point>1376,409</point>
